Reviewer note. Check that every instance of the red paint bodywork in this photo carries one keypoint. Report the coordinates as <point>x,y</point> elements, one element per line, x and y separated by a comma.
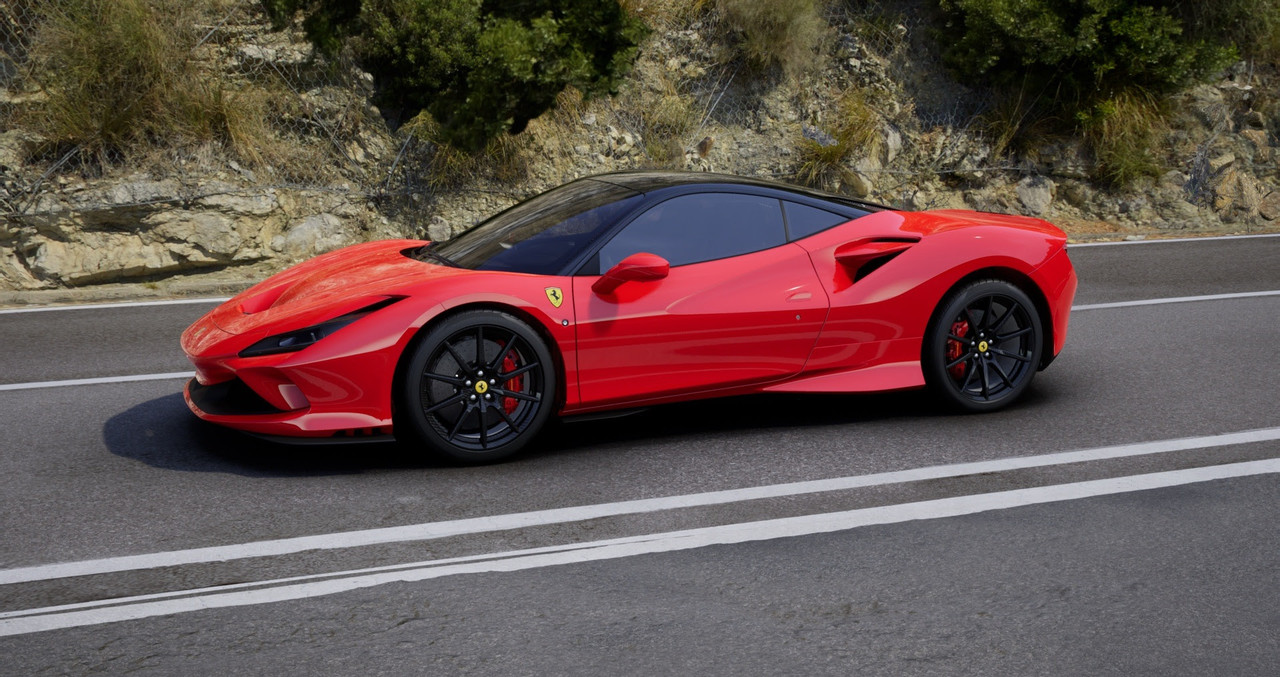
<point>803,317</point>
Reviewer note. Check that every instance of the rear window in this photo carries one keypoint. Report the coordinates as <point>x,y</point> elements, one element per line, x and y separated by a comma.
<point>803,221</point>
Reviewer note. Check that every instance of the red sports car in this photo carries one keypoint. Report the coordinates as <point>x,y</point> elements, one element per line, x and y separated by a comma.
<point>631,289</point>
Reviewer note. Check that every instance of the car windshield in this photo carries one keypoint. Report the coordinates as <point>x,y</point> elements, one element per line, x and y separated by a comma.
<point>541,235</point>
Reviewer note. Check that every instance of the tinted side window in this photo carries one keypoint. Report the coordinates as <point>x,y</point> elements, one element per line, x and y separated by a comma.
<point>547,252</point>
<point>803,221</point>
<point>699,227</point>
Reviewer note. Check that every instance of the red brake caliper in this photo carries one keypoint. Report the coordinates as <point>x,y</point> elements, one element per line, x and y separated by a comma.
<point>955,348</point>
<point>514,385</point>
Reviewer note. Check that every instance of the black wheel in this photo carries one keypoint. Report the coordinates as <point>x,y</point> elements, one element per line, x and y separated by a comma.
<point>479,386</point>
<point>983,347</point>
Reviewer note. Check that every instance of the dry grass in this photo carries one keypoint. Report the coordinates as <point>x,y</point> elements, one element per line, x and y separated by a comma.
<point>1125,133</point>
<point>668,117</point>
<point>664,14</point>
<point>855,133</point>
<point>119,82</point>
<point>1016,122</point>
<point>783,33</point>
<point>504,158</point>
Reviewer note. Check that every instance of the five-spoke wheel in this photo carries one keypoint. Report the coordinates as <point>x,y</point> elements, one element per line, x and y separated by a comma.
<point>479,386</point>
<point>983,347</point>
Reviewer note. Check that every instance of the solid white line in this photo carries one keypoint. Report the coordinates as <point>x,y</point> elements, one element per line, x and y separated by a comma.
<point>147,606</point>
<point>476,525</point>
<point>1090,306</point>
<point>97,381</point>
<point>220,300</point>
<point>121,304</point>
<point>1176,299</point>
<point>1172,239</point>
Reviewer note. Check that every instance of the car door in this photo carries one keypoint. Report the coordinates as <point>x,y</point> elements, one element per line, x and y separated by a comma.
<point>739,305</point>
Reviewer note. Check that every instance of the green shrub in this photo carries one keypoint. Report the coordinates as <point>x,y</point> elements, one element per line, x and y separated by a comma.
<point>785,33</point>
<point>479,67</point>
<point>1077,52</point>
<point>1251,26</point>
<point>1099,67</point>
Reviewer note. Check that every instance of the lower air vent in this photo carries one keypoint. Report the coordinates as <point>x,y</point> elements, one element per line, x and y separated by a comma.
<point>229,398</point>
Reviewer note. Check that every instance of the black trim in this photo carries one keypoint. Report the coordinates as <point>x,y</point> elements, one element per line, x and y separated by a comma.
<point>229,398</point>
<point>651,181</point>
<point>335,439</point>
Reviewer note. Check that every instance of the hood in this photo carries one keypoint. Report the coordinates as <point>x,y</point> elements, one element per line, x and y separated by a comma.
<point>327,286</point>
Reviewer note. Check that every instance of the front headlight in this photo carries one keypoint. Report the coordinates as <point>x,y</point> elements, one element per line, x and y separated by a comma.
<point>294,341</point>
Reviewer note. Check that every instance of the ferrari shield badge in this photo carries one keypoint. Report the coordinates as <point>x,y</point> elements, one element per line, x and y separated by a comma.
<point>555,296</point>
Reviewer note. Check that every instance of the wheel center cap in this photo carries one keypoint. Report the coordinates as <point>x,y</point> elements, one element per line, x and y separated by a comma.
<point>982,348</point>
<point>482,387</point>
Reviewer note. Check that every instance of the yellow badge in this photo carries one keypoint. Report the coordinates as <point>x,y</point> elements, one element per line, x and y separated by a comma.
<point>982,347</point>
<point>482,387</point>
<point>555,296</point>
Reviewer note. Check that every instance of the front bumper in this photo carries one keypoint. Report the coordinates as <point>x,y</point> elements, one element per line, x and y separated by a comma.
<point>235,405</point>
<point>338,388</point>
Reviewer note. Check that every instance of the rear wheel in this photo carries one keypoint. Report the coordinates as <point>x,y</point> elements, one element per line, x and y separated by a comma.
<point>479,387</point>
<point>983,347</point>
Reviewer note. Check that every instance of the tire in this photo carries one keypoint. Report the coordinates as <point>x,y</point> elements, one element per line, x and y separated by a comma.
<point>479,386</point>
<point>983,346</point>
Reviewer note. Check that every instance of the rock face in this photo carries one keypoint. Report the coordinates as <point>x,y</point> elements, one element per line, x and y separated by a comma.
<point>144,228</point>
<point>1036,193</point>
<point>313,235</point>
<point>1270,206</point>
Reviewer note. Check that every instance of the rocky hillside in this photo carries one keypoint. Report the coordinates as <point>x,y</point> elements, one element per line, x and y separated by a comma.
<point>875,117</point>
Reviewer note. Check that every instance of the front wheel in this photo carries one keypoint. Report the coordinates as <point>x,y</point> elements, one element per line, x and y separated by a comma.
<point>983,346</point>
<point>479,387</point>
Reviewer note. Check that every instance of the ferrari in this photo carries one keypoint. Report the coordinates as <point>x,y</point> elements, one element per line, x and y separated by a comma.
<point>626,290</point>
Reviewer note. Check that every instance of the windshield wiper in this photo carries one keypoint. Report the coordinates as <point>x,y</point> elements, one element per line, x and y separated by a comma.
<point>426,253</point>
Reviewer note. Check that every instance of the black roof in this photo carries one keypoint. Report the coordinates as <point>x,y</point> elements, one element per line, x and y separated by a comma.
<point>649,181</point>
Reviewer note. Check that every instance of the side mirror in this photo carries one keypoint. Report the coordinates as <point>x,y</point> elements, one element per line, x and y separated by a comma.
<point>641,267</point>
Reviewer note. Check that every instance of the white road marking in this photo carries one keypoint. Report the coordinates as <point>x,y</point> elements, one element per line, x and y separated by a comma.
<point>122,304</point>
<point>185,375</point>
<point>1175,299</point>
<point>221,299</point>
<point>1172,239</point>
<point>97,381</point>
<point>303,587</point>
<point>476,525</point>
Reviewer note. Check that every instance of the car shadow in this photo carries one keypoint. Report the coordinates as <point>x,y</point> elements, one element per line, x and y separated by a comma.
<point>735,415</point>
<point>163,433</point>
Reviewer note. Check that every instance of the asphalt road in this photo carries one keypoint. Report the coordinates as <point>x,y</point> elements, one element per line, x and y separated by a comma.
<point>917,542</point>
